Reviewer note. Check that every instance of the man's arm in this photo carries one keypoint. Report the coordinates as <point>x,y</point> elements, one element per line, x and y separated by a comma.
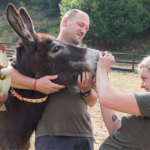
<point>19,80</point>
<point>85,85</point>
<point>43,84</point>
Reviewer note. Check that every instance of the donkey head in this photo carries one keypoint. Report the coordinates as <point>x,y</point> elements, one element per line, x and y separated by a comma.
<point>40,54</point>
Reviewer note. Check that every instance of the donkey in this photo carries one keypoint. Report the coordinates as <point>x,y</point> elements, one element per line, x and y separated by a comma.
<point>37,55</point>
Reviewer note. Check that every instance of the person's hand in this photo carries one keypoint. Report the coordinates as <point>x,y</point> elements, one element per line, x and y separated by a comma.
<point>105,62</point>
<point>86,83</point>
<point>44,85</point>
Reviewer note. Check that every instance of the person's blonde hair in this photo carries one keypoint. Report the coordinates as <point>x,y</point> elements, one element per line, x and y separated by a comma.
<point>144,64</point>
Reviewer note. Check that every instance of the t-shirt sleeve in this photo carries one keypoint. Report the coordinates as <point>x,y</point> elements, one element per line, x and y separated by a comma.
<point>143,100</point>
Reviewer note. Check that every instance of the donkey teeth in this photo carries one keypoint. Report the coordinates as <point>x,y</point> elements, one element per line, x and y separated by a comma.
<point>5,85</point>
<point>3,59</point>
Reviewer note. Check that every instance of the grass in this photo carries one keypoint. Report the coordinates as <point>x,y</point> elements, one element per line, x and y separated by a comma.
<point>125,82</point>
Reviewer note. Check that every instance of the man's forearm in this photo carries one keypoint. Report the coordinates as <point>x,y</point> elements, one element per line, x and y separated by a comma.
<point>91,99</point>
<point>19,80</point>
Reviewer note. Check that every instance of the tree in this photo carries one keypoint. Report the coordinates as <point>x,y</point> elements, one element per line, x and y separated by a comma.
<point>113,21</point>
<point>51,6</point>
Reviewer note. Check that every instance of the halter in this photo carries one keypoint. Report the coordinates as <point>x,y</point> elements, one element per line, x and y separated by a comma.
<point>14,93</point>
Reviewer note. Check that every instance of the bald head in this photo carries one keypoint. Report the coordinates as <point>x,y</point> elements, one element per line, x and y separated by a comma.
<point>74,26</point>
<point>71,14</point>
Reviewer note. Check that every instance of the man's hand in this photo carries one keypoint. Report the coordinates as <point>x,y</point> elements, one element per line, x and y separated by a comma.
<point>86,83</point>
<point>44,85</point>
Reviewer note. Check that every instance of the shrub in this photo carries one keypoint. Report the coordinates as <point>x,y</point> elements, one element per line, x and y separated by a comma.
<point>51,6</point>
<point>112,21</point>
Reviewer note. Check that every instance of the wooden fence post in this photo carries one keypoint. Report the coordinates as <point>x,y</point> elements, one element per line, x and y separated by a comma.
<point>133,60</point>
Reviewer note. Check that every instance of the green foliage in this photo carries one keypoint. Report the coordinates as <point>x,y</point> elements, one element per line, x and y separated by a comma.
<point>49,26</point>
<point>16,2</point>
<point>51,6</point>
<point>5,27</point>
<point>43,28</point>
<point>21,4</point>
<point>15,39</point>
<point>112,21</point>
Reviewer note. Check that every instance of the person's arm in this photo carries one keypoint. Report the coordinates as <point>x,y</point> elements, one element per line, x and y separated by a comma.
<point>123,102</point>
<point>111,119</point>
<point>43,84</point>
<point>18,80</point>
<point>85,85</point>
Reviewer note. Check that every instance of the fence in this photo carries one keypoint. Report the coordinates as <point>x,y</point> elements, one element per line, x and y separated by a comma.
<point>132,62</point>
<point>10,52</point>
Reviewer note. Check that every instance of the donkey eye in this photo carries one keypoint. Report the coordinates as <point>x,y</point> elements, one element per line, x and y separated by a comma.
<point>55,50</point>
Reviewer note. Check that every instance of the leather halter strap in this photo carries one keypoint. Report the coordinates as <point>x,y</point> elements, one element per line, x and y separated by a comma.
<point>14,93</point>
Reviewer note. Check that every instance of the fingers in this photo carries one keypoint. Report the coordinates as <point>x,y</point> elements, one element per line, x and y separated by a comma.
<point>54,85</point>
<point>107,55</point>
<point>45,85</point>
<point>53,77</point>
<point>86,78</point>
<point>57,86</point>
<point>105,61</point>
<point>86,82</point>
<point>100,55</point>
<point>79,79</point>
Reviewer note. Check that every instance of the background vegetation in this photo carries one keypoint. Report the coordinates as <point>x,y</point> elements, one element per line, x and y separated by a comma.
<point>49,6</point>
<point>113,21</point>
<point>115,25</point>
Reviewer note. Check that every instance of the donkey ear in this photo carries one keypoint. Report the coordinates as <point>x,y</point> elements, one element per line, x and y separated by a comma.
<point>27,20</point>
<point>17,24</point>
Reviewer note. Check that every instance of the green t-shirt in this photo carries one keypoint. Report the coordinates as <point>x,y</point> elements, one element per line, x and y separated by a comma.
<point>65,115</point>
<point>134,133</point>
